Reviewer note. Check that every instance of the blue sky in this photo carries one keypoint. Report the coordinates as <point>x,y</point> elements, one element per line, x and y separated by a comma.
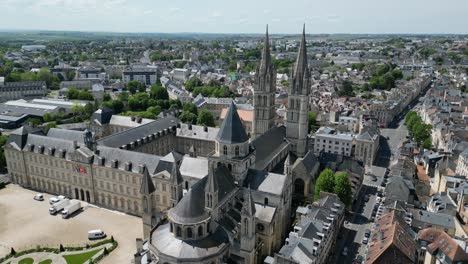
<point>239,16</point>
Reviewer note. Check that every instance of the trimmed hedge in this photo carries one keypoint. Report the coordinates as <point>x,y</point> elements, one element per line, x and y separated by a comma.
<point>57,250</point>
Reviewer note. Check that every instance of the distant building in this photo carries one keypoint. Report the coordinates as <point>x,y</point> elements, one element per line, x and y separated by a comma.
<point>33,48</point>
<point>91,73</point>
<point>145,75</point>
<point>329,140</point>
<point>462,164</point>
<point>436,246</point>
<point>367,145</point>
<point>21,90</point>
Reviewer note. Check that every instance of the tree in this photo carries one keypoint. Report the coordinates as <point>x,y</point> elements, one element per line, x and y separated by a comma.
<point>33,121</point>
<point>346,89</point>
<point>190,107</point>
<point>156,110</point>
<point>49,126</point>
<point>325,183</point>
<point>3,140</point>
<point>134,86</point>
<point>192,83</point>
<point>313,122</point>
<point>69,74</point>
<point>188,117</point>
<point>106,97</point>
<point>159,93</point>
<point>343,188</point>
<point>206,118</point>
<point>72,93</point>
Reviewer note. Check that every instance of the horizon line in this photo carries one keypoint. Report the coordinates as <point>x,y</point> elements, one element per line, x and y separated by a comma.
<point>2,30</point>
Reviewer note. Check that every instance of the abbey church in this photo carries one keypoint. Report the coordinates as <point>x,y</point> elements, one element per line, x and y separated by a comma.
<point>205,195</point>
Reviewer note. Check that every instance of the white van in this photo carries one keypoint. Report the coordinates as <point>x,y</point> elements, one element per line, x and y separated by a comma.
<point>96,234</point>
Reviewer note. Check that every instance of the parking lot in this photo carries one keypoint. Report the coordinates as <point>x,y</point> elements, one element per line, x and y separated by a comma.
<point>26,223</point>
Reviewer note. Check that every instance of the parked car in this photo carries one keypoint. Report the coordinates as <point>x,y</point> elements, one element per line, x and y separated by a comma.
<point>367,233</point>
<point>39,197</point>
<point>365,240</point>
<point>96,234</point>
<point>56,199</point>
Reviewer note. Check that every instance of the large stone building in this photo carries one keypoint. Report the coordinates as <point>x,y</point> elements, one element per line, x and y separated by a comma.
<point>205,195</point>
<point>21,90</point>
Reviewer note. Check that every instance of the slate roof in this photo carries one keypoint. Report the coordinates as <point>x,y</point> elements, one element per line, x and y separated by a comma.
<point>268,145</point>
<point>18,137</point>
<point>123,156</point>
<point>103,115</point>
<point>147,185</point>
<point>133,134</point>
<point>191,208</point>
<point>47,142</point>
<point>170,245</point>
<point>72,135</point>
<point>231,130</point>
<point>267,182</point>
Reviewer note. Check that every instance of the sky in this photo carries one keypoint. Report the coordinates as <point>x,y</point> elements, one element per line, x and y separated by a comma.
<point>239,16</point>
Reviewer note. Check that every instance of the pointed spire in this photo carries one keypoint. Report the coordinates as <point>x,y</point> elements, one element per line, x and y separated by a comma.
<point>212,182</point>
<point>231,130</point>
<point>301,61</point>
<point>176,177</point>
<point>266,57</point>
<point>248,208</point>
<point>147,185</point>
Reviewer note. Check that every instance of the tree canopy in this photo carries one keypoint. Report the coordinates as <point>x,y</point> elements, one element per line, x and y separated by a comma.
<point>337,183</point>
<point>205,118</point>
<point>420,131</point>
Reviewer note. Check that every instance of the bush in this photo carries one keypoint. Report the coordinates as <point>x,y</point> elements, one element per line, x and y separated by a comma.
<point>38,248</point>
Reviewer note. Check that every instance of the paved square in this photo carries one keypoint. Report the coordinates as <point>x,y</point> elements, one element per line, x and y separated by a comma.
<point>26,223</point>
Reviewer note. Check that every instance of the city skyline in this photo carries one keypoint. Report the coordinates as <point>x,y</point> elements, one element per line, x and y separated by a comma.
<point>207,16</point>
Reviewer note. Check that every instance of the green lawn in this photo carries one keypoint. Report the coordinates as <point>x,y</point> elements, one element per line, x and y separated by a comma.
<point>80,258</point>
<point>26,261</point>
<point>47,261</point>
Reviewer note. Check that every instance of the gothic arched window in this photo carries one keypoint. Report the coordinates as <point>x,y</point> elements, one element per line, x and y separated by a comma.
<point>179,231</point>
<point>225,150</point>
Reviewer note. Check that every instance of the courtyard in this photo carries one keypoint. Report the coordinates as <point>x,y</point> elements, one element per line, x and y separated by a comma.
<point>26,223</point>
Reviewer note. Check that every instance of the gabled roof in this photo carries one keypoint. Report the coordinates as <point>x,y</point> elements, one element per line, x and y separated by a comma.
<point>147,185</point>
<point>191,208</point>
<point>176,177</point>
<point>440,241</point>
<point>232,131</point>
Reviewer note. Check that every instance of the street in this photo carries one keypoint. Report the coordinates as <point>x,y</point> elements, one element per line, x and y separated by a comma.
<point>358,220</point>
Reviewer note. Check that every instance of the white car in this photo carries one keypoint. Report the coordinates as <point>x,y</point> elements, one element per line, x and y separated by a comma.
<point>96,234</point>
<point>365,240</point>
<point>39,197</point>
<point>56,199</point>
